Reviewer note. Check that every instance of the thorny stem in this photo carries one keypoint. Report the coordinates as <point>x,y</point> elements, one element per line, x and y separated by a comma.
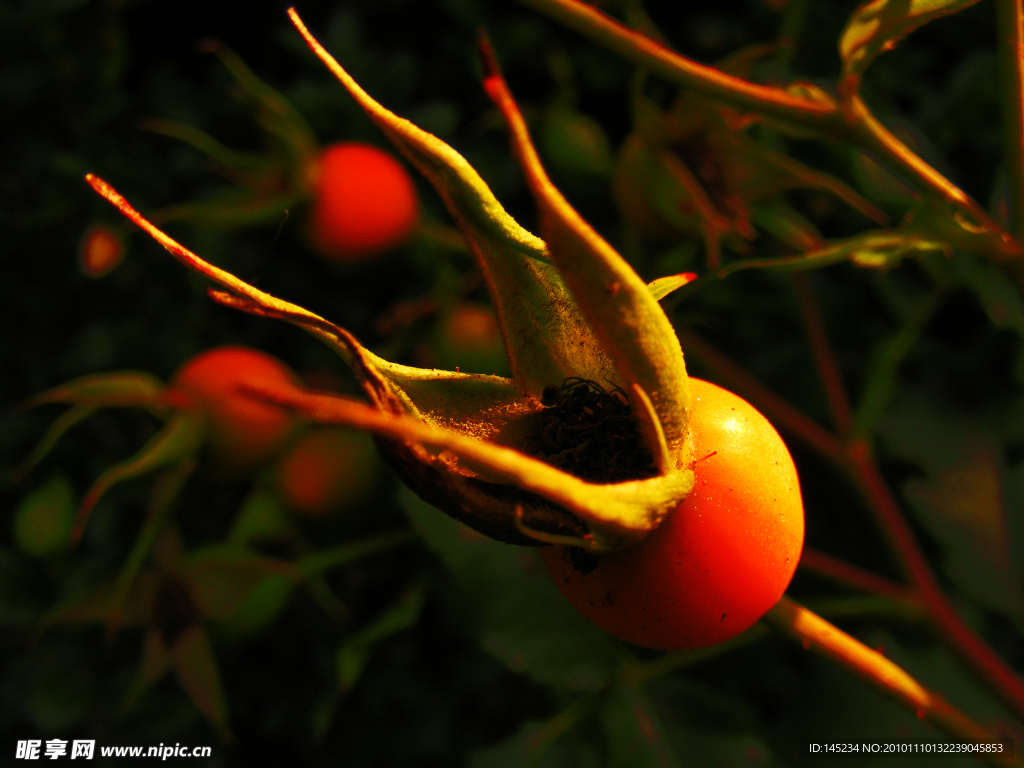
<point>855,460</point>
<point>828,368</point>
<point>852,122</point>
<point>1010,48</point>
<point>818,635</point>
<point>850,575</point>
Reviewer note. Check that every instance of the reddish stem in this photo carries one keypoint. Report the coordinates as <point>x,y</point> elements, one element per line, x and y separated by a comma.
<point>851,575</point>
<point>828,368</point>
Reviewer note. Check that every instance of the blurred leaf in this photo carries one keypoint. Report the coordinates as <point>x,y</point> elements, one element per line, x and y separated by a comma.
<point>636,737</point>
<point>999,296</point>
<point>574,142</point>
<point>177,443</point>
<point>520,616</point>
<point>62,424</point>
<point>43,520</point>
<point>880,376</point>
<point>356,649</point>
<point>263,603</point>
<point>879,183</point>
<point>778,218</point>
<point>261,518</point>
<point>221,578</point>
<point>875,249</point>
<point>710,726</point>
<point>124,389</point>
<point>877,26</point>
<point>155,662</point>
<point>962,501</point>
<point>542,745</point>
<point>193,659</point>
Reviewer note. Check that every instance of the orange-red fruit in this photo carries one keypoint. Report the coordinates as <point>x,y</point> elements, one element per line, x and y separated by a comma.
<point>364,203</point>
<point>722,558</point>
<point>100,250</point>
<point>242,432</point>
<point>325,470</point>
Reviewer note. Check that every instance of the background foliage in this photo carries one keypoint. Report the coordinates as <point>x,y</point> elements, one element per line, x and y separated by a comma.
<point>453,649</point>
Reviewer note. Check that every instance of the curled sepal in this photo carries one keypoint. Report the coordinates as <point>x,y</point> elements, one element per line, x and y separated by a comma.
<point>177,442</point>
<point>615,515</point>
<point>546,336</point>
<point>627,320</point>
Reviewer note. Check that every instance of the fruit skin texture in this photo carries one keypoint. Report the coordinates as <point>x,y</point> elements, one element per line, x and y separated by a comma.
<point>242,433</point>
<point>364,203</point>
<point>722,558</point>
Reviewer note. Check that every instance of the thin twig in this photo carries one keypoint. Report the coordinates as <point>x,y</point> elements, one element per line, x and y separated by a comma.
<point>852,576</point>
<point>1010,49</point>
<point>852,123</point>
<point>828,368</point>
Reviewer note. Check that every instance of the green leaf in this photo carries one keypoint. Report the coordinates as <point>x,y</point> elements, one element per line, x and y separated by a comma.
<point>263,603</point>
<point>877,26</point>
<point>880,376</point>
<point>260,518</point>
<point>194,662</point>
<point>56,431</point>
<point>124,389</point>
<point>221,578</point>
<point>164,494</point>
<point>710,726</point>
<point>43,520</point>
<point>274,112</point>
<point>156,660</point>
<point>356,649</point>
<point>574,142</point>
<point>178,441</point>
<point>778,218</point>
<point>962,501</point>
<point>519,615</point>
<point>334,557</point>
<point>232,209</point>
<point>636,736</point>
<point>543,745</point>
<point>997,293</point>
<point>875,249</point>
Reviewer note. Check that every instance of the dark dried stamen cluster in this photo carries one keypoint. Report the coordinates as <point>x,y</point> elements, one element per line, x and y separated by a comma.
<point>590,432</point>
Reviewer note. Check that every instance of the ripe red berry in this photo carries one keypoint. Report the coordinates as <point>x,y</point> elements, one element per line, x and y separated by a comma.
<point>241,432</point>
<point>100,250</point>
<point>364,203</point>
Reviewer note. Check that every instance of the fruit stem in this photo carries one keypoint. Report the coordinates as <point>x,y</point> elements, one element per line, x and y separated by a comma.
<point>816,634</point>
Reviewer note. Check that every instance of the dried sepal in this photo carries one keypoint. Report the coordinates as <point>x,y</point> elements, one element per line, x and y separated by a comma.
<point>630,325</point>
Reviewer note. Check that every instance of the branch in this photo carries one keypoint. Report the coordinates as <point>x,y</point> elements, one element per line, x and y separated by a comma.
<point>818,635</point>
<point>1010,48</point>
<point>838,570</point>
<point>853,123</point>
<point>828,368</point>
